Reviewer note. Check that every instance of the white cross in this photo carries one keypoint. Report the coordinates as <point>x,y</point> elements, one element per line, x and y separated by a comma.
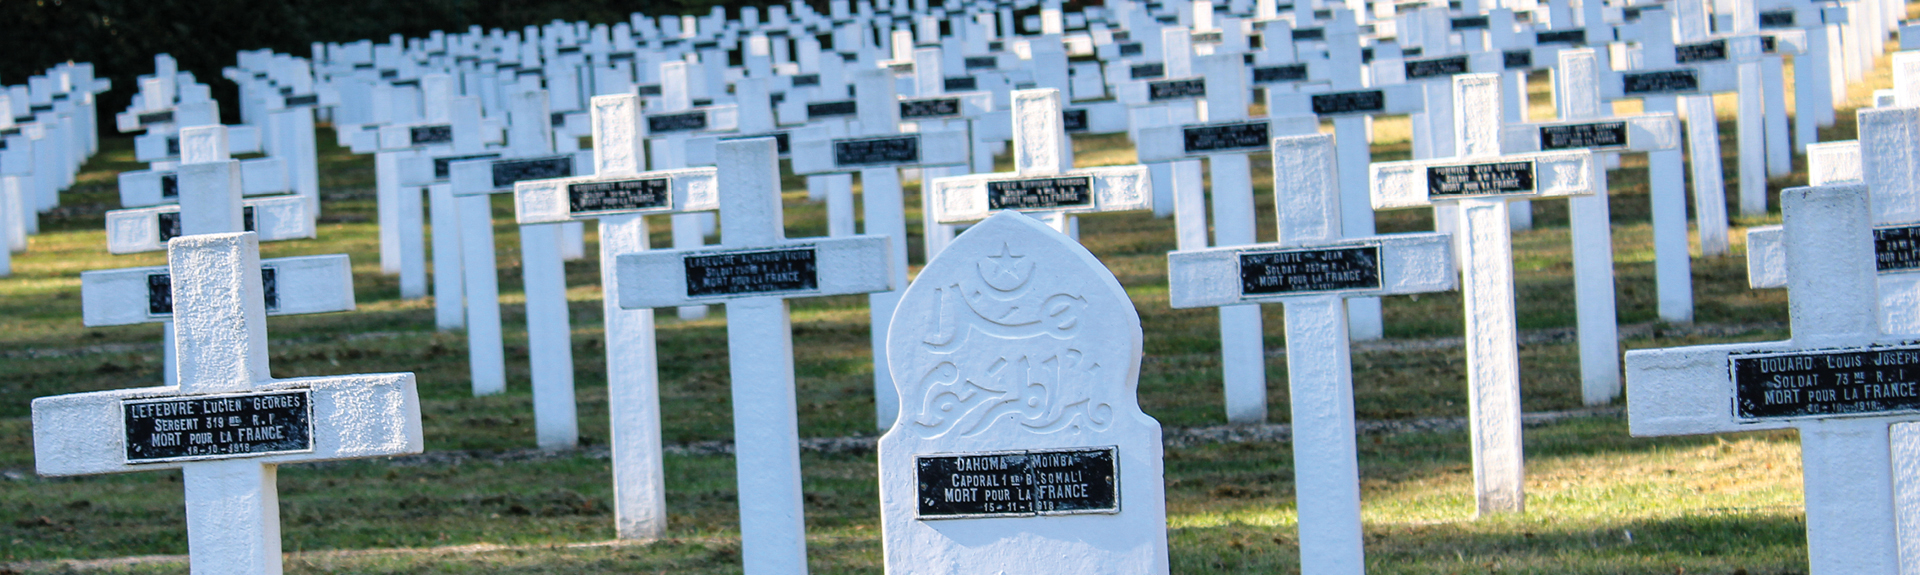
<point>399,213</point>
<point>1044,182</point>
<point>672,130</point>
<point>878,155</point>
<point>1578,95</point>
<point>1840,380</point>
<point>148,229</point>
<point>1225,141</point>
<point>1350,104</point>
<point>1481,182</point>
<point>1312,270</point>
<point>620,196</point>
<point>228,424</point>
<point>1659,80</point>
<point>472,183</point>
<point>753,272</point>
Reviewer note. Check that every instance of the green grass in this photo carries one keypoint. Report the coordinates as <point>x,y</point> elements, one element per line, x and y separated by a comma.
<point>1600,501</point>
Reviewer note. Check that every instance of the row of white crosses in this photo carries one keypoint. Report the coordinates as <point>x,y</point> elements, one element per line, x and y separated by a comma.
<point>47,130</point>
<point>226,422</point>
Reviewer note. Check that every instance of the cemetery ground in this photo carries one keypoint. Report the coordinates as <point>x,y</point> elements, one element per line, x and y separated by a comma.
<point>482,500</point>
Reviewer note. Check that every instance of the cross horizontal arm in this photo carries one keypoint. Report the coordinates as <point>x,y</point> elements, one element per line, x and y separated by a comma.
<point>1687,390</point>
<point>302,285</point>
<point>826,156</point>
<point>352,416</point>
<point>1418,183</point>
<point>481,177</point>
<point>1681,81</point>
<point>1376,266</point>
<point>1169,143</point>
<point>139,230</point>
<point>1385,100</point>
<point>1627,134</point>
<point>973,198</point>
<point>590,197</point>
<point>796,268</point>
<point>720,118</point>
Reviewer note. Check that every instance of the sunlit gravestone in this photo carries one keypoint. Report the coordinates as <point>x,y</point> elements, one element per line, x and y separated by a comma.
<point>753,272</point>
<point>1044,184</point>
<point>620,196</point>
<point>1312,271</point>
<point>1020,446</point>
<point>1481,181</point>
<point>228,424</point>
<point>1841,381</point>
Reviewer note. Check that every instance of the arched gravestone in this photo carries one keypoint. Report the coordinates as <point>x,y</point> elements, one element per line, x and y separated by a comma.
<point>1020,446</point>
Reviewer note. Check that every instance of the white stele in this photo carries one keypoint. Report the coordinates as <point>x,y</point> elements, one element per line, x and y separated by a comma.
<point>1017,339</point>
<point>233,510</point>
<point>1844,443</point>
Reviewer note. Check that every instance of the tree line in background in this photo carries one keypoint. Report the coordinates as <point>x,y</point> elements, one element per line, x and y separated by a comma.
<point>120,37</point>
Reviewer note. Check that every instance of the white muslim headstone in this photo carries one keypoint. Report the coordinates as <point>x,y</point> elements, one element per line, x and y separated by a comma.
<point>1312,271</point>
<point>1021,446</point>
<point>228,424</point>
<point>1480,182</point>
<point>754,271</point>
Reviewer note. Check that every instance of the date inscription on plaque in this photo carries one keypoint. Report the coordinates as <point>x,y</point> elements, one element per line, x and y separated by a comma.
<point>1896,249</point>
<point>623,195</point>
<point>1040,193</point>
<point>1827,382</point>
<point>507,172</point>
<point>1579,136</point>
<point>1305,271</point>
<point>220,426</point>
<point>764,271</point>
<point>1479,179</point>
<point>1227,137</point>
<point>1018,483</point>
<point>877,151</point>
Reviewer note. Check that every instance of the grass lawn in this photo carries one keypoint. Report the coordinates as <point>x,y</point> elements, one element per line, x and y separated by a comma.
<point>1600,501</point>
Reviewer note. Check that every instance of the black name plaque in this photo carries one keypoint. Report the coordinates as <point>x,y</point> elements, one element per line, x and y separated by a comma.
<point>1040,193</point>
<point>1362,102</point>
<point>1896,248</point>
<point>1479,179</point>
<point>219,426</point>
<point>1146,71</point>
<point>1436,67</point>
<point>1576,136</point>
<point>506,172</point>
<point>1826,382</point>
<point>929,108</point>
<point>1662,82</point>
<point>877,151</point>
<point>1074,120</point>
<point>961,84</point>
<point>1575,36</point>
<point>160,292</point>
<point>429,135</point>
<point>765,271</point>
<point>1018,483</point>
<point>836,108</point>
<point>1177,89</point>
<point>1315,270</point>
<point>160,117</point>
<point>1239,136</point>
<point>1702,52</point>
<point>1283,73</point>
<point>623,195</point>
<point>668,123</point>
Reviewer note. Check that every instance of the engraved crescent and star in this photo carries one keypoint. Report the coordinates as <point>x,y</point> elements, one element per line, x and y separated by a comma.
<point>1046,384</point>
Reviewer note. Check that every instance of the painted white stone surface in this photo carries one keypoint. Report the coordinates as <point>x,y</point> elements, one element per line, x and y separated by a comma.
<point>305,284</point>
<point>1017,338</point>
<point>275,218</point>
